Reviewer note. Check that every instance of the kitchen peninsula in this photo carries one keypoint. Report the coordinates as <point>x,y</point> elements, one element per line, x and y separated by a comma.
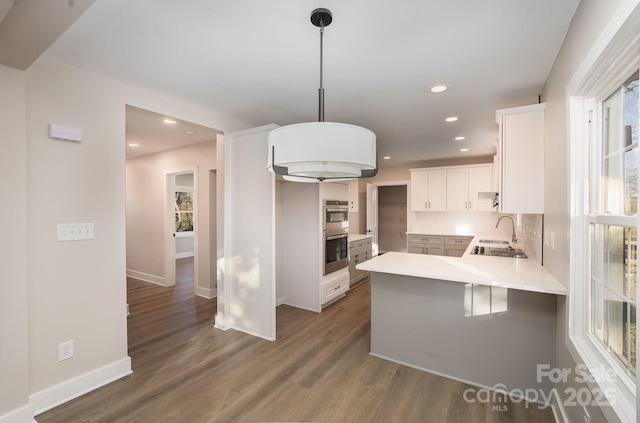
<point>487,321</point>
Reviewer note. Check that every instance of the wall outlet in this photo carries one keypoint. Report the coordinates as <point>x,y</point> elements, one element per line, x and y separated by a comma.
<point>65,350</point>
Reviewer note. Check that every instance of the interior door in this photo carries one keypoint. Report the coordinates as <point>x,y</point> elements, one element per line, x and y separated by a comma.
<point>372,216</point>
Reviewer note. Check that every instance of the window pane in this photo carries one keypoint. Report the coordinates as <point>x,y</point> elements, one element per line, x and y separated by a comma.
<point>631,182</point>
<point>632,338</point>
<point>631,262</point>
<point>184,222</point>
<point>620,145</point>
<point>184,201</point>
<point>613,287</point>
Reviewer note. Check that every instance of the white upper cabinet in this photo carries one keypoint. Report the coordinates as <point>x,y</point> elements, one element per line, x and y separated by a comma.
<point>428,190</point>
<point>463,185</point>
<point>520,159</point>
<point>480,180</point>
<point>452,188</point>
<point>457,189</point>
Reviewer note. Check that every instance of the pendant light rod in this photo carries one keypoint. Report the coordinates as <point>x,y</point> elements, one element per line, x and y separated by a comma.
<point>321,90</point>
<point>321,17</point>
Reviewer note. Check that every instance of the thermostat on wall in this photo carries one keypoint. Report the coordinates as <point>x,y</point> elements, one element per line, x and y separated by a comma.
<point>65,133</point>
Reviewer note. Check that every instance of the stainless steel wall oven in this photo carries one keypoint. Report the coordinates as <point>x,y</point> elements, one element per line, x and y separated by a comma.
<point>336,248</point>
<point>335,235</point>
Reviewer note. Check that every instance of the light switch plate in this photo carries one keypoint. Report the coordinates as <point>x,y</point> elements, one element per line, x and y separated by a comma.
<point>75,231</point>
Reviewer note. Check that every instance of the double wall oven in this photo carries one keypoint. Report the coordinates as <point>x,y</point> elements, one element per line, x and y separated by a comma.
<point>335,235</point>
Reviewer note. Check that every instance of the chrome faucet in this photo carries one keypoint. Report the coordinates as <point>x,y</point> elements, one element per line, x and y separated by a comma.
<point>513,228</point>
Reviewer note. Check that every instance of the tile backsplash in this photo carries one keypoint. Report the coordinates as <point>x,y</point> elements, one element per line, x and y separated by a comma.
<point>532,227</point>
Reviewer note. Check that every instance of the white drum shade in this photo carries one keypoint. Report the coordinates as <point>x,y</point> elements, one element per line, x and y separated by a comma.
<point>315,151</point>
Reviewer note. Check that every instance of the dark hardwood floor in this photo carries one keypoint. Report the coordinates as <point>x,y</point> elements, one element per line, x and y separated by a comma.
<point>318,370</point>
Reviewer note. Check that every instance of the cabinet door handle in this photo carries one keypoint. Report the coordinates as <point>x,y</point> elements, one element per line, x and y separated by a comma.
<point>425,205</point>
<point>469,204</point>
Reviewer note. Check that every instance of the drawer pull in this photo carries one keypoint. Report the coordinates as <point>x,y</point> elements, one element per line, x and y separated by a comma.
<point>336,288</point>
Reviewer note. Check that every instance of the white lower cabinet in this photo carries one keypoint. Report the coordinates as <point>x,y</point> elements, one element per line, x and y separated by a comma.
<point>426,244</point>
<point>439,245</point>
<point>359,252</point>
<point>334,288</point>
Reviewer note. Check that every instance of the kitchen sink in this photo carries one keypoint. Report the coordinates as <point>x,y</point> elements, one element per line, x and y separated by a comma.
<point>507,252</point>
<point>498,252</point>
<point>493,241</point>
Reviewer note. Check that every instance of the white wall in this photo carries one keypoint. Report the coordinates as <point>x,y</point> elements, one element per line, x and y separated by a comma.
<point>14,361</point>
<point>588,22</point>
<point>145,209</point>
<point>247,298</point>
<point>76,290</point>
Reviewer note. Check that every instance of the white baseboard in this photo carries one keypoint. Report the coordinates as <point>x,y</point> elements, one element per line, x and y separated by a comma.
<point>221,323</point>
<point>208,293</point>
<point>279,301</point>
<point>21,415</point>
<point>185,255</point>
<point>158,280</point>
<point>73,388</point>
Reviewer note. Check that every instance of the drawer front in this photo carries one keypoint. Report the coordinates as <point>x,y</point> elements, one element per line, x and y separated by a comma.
<point>415,248</point>
<point>458,240</point>
<point>455,251</point>
<point>427,239</point>
<point>435,250</point>
<point>335,288</point>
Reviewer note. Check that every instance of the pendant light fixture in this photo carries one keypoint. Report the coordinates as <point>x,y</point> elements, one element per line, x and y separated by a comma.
<point>322,151</point>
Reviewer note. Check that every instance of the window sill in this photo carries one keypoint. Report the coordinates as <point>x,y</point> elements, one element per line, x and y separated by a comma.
<point>612,391</point>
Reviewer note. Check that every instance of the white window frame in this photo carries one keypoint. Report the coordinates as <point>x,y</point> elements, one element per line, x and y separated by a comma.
<point>613,58</point>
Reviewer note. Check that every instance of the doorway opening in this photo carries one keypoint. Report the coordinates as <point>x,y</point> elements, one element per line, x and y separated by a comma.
<point>171,189</point>
<point>392,218</point>
<point>387,214</point>
<point>181,219</point>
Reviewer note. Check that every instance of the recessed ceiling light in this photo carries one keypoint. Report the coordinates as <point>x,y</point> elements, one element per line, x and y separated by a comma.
<point>438,88</point>
<point>451,119</point>
<point>464,149</point>
<point>459,138</point>
<point>190,132</point>
<point>133,144</point>
<point>169,121</point>
<point>386,157</point>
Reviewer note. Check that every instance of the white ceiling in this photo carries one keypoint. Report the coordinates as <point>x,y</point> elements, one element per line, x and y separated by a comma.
<point>258,62</point>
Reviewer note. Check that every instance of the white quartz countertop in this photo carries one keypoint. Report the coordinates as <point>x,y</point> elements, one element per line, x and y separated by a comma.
<point>358,237</point>
<point>507,272</point>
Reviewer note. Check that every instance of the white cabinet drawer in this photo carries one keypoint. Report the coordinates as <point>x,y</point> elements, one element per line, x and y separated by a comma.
<point>334,288</point>
<point>427,239</point>
<point>458,240</point>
